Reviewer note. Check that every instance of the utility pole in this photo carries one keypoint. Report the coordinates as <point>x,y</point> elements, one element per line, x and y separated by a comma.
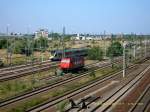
<point>134,51</point>
<point>11,50</point>
<point>141,46</point>
<point>7,33</point>
<point>104,43</point>
<point>124,59</point>
<point>27,48</point>
<point>63,45</point>
<point>112,57</point>
<point>145,47</point>
<point>32,62</point>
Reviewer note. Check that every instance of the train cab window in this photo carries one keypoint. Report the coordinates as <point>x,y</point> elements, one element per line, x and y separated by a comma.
<point>55,54</point>
<point>65,61</point>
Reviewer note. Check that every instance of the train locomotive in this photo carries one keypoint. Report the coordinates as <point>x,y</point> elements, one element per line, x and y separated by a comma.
<point>71,64</point>
<point>70,60</point>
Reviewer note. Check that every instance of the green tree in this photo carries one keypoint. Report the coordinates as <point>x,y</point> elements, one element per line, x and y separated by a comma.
<point>54,36</point>
<point>19,46</point>
<point>95,53</point>
<point>41,44</point>
<point>67,38</point>
<point>3,43</point>
<point>115,49</point>
<point>23,46</point>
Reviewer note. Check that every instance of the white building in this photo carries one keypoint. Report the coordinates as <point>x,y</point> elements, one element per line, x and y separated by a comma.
<point>79,37</point>
<point>41,33</point>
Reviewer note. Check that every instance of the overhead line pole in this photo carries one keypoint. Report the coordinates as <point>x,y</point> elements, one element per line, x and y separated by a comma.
<point>145,47</point>
<point>63,35</point>
<point>124,59</point>
<point>7,30</point>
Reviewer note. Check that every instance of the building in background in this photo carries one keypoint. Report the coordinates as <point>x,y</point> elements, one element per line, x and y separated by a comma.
<point>41,33</point>
<point>79,37</point>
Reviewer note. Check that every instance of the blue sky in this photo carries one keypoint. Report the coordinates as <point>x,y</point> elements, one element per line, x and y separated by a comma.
<point>78,16</point>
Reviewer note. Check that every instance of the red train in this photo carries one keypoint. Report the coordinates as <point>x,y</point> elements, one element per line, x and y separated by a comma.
<point>71,63</point>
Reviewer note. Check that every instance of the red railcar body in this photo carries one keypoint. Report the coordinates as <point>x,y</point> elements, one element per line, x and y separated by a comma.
<point>72,63</point>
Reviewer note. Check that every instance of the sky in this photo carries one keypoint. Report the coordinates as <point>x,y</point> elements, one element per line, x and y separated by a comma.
<point>78,16</point>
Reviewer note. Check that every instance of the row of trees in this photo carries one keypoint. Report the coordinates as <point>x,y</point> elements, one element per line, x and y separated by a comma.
<point>114,50</point>
<point>24,45</point>
<point>57,36</point>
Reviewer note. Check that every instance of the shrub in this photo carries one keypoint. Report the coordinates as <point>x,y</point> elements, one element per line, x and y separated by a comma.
<point>3,43</point>
<point>41,44</point>
<point>23,47</point>
<point>92,74</point>
<point>115,49</point>
<point>61,106</point>
<point>95,53</point>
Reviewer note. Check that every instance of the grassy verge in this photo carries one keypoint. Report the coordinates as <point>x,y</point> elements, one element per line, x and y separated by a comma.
<point>18,86</point>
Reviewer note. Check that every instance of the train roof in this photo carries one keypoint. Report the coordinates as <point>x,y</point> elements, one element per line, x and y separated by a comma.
<point>69,50</point>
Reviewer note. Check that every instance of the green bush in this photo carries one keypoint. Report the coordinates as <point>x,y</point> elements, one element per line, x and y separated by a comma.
<point>61,106</point>
<point>41,44</point>
<point>19,46</point>
<point>3,43</point>
<point>92,74</point>
<point>95,53</point>
<point>23,47</point>
<point>115,49</point>
<point>55,36</point>
<point>1,63</point>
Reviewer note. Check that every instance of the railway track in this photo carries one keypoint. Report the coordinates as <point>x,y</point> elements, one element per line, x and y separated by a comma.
<point>147,109</point>
<point>24,71</point>
<point>53,85</point>
<point>27,70</point>
<point>144,96</point>
<point>118,95</point>
<point>22,66</point>
<point>70,94</point>
<point>137,99</point>
<point>27,67</point>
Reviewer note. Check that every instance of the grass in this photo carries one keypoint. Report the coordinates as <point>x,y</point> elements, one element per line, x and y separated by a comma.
<point>9,89</point>
<point>61,106</point>
<point>28,105</point>
<point>18,86</point>
<point>63,89</point>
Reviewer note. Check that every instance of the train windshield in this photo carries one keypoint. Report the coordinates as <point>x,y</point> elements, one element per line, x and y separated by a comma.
<point>65,61</point>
